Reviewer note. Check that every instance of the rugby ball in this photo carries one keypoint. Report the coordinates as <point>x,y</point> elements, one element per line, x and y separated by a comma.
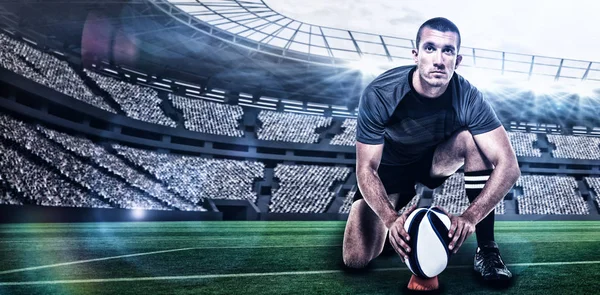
<point>428,229</point>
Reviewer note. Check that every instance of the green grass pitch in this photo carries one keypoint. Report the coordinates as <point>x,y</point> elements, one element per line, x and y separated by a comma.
<point>271,258</point>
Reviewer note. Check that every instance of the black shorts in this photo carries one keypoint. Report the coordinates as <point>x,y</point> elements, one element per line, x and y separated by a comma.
<point>402,179</point>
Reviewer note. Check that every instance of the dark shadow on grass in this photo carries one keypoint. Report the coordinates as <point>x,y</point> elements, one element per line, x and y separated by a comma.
<point>407,291</point>
<point>355,271</point>
<point>497,285</point>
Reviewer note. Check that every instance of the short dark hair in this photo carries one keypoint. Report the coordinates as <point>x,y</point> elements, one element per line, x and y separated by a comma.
<point>439,24</point>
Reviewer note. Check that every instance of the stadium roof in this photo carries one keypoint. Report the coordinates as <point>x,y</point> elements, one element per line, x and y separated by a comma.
<point>255,25</point>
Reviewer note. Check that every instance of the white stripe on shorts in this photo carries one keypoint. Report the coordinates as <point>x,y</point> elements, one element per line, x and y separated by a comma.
<point>476,185</point>
<point>476,178</point>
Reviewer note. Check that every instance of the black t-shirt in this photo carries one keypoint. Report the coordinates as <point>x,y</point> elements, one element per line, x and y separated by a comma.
<point>393,113</point>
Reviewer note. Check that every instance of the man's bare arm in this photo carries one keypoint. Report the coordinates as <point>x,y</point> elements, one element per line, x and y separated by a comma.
<point>495,145</point>
<point>368,158</point>
<point>497,149</point>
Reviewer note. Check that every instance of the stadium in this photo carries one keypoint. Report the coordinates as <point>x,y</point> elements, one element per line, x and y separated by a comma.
<point>208,147</point>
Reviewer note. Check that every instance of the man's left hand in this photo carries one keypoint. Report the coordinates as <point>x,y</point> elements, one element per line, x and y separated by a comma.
<point>462,227</point>
<point>460,230</point>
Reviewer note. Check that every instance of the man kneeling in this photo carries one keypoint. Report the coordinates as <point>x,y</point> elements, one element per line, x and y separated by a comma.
<point>421,124</point>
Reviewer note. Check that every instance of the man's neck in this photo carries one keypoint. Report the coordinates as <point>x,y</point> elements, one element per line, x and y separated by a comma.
<point>425,90</point>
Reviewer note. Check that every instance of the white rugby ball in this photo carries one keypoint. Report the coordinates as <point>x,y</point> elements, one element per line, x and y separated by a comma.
<point>428,229</point>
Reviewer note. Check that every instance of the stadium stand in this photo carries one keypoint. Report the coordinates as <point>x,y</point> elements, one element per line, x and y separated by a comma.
<point>6,197</point>
<point>140,103</point>
<point>348,137</point>
<point>575,147</point>
<point>290,127</point>
<point>345,208</point>
<point>594,183</point>
<point>196,178</point>
<point>305,188</point>
<point>452,196</point>
<point>86,148</point>
<point>522,143</point>
<point>550,195</point>
<point>347,204</point>
<point>108,187</point>
<point>209,117</point>
<point>47,70</point>
<point>40,185</point>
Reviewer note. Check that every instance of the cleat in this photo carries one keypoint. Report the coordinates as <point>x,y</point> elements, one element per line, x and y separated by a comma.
<point>489,265</point>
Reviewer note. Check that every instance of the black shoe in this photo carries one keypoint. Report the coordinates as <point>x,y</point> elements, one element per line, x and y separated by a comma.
<point>489,264</point>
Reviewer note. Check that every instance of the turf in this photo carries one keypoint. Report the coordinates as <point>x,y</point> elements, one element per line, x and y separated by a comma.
<point>271,258</point>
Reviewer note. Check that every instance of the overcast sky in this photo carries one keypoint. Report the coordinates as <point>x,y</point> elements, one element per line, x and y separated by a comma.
<point>566,29</point>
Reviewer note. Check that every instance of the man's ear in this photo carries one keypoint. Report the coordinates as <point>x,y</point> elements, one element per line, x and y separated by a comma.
<point>458,60</point>
<point>415,54</point>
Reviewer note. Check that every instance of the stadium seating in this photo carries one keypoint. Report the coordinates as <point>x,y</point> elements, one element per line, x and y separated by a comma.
<point>290,127</point>
<point>347,204</point>
<point>140,103</point>
<point>106,186</point>
<point>305,188</point>
<point>6,197</point>
<point>348,136</point>
<point>575,147</point>
<point>453,197</point>
<point>86,148</point>
<point>47,70</point>
<point>196,178</point>
<point>209,117</point>
<point>40,185</point>
<point>550,195</point>
<point>594,183</point>
<point>345,208</point>
<point>522,143</point>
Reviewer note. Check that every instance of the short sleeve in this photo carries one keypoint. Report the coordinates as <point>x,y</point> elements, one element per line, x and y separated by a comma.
<point>371,117</point>
<point>481,116</point>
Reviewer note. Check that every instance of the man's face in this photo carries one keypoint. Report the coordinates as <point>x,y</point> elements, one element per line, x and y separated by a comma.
<point>437,56</point>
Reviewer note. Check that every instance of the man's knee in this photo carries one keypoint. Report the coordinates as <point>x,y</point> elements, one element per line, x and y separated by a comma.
<point>467,142</point>
<point>355,260</point>
<point>362,236</point>
<point>474,158</point>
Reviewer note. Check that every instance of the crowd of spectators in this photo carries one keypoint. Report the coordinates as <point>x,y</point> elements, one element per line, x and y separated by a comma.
<point>86,148</point>
<point>41,185</point>
<point>209,117</point>
<point>522,143</point>
<point>550,195</point>
<point>290,127</point>
<point>6,197</point>
<point>575,147</point>
<point>47,70</point>
<point>305,188</point>
<point>138,102</point>
<point>348,136</point>
<point>106,186</point>
<point>594,184</point>
<point>196,178</point>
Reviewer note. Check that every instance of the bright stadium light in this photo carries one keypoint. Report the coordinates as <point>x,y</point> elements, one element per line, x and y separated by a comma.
<point>585,89</point>
<point>541,87</point>
<point>370,67</point>
<point>481,78</point>
<point>138,213</point>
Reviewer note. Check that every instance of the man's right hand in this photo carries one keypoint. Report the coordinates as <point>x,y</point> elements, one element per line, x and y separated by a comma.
<point>398,237</point>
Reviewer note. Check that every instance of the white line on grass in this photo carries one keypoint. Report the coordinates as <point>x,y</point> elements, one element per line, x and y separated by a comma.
<point>91,260</point>
<point>259,274</point>
<point>154,252</point>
